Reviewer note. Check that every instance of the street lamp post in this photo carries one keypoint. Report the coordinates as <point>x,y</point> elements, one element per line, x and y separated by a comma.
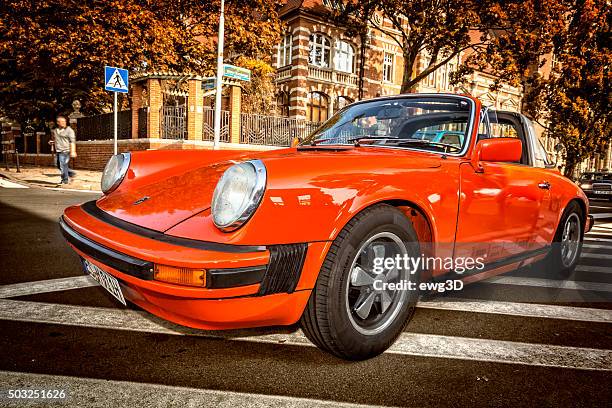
<point>219,81</point>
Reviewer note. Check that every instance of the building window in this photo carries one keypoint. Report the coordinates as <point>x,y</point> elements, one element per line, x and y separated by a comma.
<point>431,79</point>
<point>284,51</point>
<point>317,107</point>
<point>344,57</point>
<point>320,50</point>
<point>282,104</point>
<point>388,67</point>
<point>342,101</point>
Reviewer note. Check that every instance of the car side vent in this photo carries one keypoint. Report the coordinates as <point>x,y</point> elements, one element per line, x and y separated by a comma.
<point>284,268</point>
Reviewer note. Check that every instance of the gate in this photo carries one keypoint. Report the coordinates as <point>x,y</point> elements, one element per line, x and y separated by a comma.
<point>173,122</point>
<point>208,123</point>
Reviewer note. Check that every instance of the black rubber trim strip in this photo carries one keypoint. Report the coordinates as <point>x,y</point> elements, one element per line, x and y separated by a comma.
<point>233,277</point>
<point>495,264</point>
<point>92,209</point>
<point>515,258</point>
<point>124,263</point>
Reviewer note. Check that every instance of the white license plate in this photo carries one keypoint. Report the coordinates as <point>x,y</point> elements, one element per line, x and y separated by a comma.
<point>602,191</point>
<point>106,280</point>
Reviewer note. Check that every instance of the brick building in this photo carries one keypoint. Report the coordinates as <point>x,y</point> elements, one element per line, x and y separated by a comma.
<point>319,70</point>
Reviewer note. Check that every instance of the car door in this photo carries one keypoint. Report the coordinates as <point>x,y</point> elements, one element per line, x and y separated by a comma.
<point>500,208</point>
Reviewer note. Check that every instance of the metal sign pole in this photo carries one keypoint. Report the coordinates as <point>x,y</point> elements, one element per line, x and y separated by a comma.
<point>115,123</point>
<point>219,84</point>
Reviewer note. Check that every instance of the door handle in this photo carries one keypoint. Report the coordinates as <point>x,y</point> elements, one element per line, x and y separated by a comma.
<point>545,185</point>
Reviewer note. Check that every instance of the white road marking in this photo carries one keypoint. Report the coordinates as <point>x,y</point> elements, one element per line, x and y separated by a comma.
<point>521,309</point>
<point>595,239</point>
<point>9,184</point>
<point>602,215</point>
<point>46,286</point>
<point>422,345</point>
<point>591,255</point>
<point>456,304</point>
<point>589,268</point>
<point>96,393</point>
<point>593,246</point>
<point>598,206</point>
<point>549,283</point>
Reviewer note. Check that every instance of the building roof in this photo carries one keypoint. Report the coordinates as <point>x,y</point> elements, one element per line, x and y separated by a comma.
<point>312,5</point>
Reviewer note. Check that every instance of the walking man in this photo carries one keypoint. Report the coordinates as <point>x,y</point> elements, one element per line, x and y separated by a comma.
<point>65,147</point>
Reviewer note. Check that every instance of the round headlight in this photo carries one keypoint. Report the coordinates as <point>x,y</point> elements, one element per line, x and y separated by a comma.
<point>114,172</point>
<point>238,194</point>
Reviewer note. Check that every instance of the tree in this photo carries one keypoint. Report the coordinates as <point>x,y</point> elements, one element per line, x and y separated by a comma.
<point>53,51</point>
<point>441,29</point>
<point>572,103</point>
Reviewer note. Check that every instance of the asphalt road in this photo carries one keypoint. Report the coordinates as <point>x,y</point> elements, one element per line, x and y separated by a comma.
<point>487,350</point>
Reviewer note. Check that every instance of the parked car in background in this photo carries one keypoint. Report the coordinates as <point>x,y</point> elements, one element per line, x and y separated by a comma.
<point>226,239</point>
<point>596,184</point>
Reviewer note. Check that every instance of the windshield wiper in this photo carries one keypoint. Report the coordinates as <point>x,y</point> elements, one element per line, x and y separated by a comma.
<point>426,143</point>
<point>356,140</point>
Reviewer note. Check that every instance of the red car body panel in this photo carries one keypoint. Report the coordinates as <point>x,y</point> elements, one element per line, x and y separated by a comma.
<point>311,194</point>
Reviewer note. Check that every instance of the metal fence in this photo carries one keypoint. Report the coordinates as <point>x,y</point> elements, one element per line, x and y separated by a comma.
<point>100,127</point>
<point>273,130</point>
<point>173,122</point>
<point>208,123</point>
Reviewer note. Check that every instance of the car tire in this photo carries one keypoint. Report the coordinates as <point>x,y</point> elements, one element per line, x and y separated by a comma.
<point>562,260</point>
<point>332,319</point>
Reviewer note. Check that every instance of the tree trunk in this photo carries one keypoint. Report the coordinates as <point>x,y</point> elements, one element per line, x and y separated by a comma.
<point>570,166</point>
<point>362,61</point>
<point>408,85</point>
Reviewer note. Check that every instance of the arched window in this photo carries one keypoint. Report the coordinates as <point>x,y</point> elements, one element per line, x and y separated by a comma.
<point>344,57</point>
<point>320,50</point>
<point>282,104</point>
<point>318,104</point>
<point>283,57</point>
<point>342,101</point>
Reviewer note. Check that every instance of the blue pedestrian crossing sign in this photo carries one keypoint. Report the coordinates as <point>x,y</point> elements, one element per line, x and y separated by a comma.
<point>116,79</point>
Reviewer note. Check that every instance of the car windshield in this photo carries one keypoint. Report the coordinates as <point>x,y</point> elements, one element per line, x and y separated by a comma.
<point>435,123</point>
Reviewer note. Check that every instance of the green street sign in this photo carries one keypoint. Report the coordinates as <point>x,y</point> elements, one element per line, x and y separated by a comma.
<point>208,84</point>
<point>239,73</point>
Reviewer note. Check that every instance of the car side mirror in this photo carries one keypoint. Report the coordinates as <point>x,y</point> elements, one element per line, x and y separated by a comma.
<point>498,149</point>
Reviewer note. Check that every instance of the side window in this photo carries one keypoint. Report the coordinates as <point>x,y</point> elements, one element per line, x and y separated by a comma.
<point>540,155</point>
<point>503,124</point>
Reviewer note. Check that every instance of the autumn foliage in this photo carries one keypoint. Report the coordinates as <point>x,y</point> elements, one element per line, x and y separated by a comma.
<point>53,51</point>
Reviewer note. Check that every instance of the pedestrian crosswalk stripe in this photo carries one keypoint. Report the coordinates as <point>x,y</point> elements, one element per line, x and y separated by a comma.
<point>521,309</point>
<point>411,344</point>
<point>596,239</point>
<point>9,184</point>
<point>602,215</point>
<point>480,306</point>
<point>591,255</point>
<point>46,286</point>
<point>589,268</point>
<point>550,283</point>
<point>83,391</point>
<point>595,246</point>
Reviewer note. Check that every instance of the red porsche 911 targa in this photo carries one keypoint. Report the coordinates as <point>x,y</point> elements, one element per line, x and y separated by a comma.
<point>311,233</point>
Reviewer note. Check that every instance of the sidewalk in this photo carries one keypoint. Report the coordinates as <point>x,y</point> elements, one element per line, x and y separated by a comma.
<point>50,177</point>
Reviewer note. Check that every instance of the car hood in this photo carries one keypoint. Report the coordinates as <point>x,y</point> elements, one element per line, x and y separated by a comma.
<point>166,201</point>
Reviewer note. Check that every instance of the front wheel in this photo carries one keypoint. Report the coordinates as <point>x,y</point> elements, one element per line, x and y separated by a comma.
<point>354,311</point>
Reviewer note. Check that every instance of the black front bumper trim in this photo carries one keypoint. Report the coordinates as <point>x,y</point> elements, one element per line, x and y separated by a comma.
<point>138,268</point>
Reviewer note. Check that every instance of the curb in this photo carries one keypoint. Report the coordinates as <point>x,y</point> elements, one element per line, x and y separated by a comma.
<point>34,184</point>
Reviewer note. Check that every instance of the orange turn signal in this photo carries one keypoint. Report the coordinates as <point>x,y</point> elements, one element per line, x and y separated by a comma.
<point>180,276</point>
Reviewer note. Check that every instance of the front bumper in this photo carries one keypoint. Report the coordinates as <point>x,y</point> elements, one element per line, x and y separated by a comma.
<point>246,286</point>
